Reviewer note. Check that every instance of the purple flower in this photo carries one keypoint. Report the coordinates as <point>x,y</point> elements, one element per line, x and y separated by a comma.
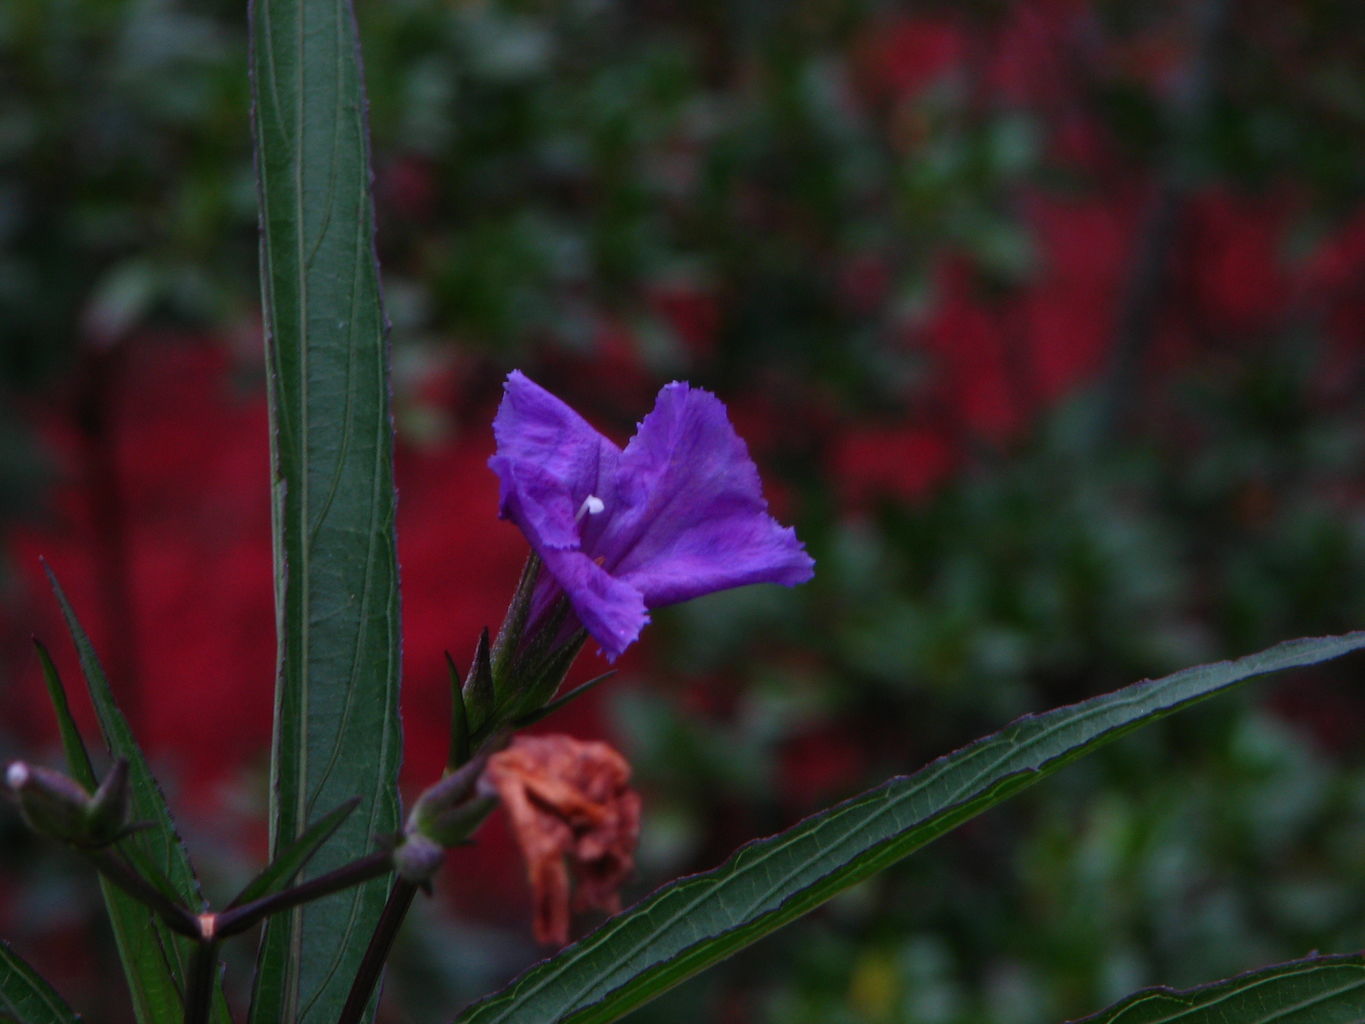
<point>678,514</point>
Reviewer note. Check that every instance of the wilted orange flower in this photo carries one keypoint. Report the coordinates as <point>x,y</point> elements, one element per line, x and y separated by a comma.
<point>571,807</point>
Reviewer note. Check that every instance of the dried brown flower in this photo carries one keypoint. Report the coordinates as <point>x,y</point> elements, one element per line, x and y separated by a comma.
<point>571,809</point>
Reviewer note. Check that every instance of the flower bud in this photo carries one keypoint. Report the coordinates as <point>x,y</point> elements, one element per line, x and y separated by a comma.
<point>449,811</point>
<point>418,857</point>
<point>52,804</point>
<point>455,825</point>
<point>59,807</point>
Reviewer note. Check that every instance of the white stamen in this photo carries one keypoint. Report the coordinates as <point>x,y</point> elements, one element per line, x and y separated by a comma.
<point>16,775</point>
<point>592,505</point>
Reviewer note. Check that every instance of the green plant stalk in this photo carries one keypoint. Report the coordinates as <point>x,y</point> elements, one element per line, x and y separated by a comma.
<point>199,984</point>
<point>208,929</point>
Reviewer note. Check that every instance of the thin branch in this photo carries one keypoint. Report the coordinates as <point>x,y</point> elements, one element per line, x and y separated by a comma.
<point>367,977</point>
<point>178,919</point>
<point>239,919</point>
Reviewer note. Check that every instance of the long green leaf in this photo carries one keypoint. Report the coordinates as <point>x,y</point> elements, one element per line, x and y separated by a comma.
<point>336,714</point>
<point>154,959</point>
<point>690,924</point>
<point>1317,990</point>
<point>26,997</point>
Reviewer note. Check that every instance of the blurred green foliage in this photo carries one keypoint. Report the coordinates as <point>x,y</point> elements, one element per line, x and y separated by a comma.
<point>127,177</point>
<point>837,214</point>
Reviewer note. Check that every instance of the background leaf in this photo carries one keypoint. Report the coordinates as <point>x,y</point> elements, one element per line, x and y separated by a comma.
<point>685,926</point>
<point>336,716</point>
<point>26,997</point>
<point>154,959</point>
<point>1317,990</point>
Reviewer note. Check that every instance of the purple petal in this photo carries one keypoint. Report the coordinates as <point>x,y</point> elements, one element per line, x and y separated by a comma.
<point>549,460</point>
<point>678,514</point>
<point>611,610</point>
<point>689,515</point>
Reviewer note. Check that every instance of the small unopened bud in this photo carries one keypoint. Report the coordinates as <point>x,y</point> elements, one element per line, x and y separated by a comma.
<point>453,789</point>
<point>52,804</point>
<point>455,825</point>
<point>61,808</point>
<point>448,812</point>
<point>418,857</point>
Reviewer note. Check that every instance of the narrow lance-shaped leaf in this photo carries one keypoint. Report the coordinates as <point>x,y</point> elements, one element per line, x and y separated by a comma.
<point>26,997</point>
<point>154,960</point>
<point>73,746</point>
<point>690,924</point>
<point>151,984</point>
<point>336,721</point>
<point>1316,990</point>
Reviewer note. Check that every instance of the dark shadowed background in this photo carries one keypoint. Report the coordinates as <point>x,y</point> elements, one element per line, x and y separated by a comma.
<point>1045,323</point>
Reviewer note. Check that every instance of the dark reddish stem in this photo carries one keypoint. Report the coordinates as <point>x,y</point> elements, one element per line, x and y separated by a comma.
<point>367,977</point>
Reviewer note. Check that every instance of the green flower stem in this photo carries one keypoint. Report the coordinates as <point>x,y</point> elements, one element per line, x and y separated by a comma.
<point>239,919</point>
<point>367,977</point>
<point>178,918</point>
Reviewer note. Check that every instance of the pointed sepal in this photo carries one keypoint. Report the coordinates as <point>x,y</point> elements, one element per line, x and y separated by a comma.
<point>459,718</point>
<point>545,710</point>
<point>479,698</point>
